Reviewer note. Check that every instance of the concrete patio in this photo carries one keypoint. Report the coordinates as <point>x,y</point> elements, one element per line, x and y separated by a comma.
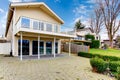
<point>59,68</point>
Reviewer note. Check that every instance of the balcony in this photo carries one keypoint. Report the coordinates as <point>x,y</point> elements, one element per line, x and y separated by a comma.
<point>41,27</point>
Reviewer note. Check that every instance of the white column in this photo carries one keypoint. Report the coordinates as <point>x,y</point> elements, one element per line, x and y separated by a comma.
<point>54,46</point>
<point>69,47</point>
<point>44,47</point>
<point>21,46</point>
<point>30,47</point>
<point>38,47</point>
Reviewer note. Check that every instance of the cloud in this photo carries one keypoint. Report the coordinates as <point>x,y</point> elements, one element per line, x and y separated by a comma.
<point>15,0</point>
<point>3,23</point>
<point>21,0</point>
<point>57,1</point>
<point>81,9</point>
<point>1,10</point>
<point>28,0</point>
<point>91,1</point>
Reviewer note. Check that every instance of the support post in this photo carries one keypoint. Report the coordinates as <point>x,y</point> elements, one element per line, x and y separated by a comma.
<point>21,46</point>
<point>69,47</point>
<point>38,47</point>
<point>54,47</point>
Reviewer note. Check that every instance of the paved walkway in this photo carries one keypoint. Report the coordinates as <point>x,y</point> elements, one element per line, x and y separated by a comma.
<point>63,68</point>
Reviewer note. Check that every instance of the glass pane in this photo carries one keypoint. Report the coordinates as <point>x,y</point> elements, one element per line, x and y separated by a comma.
<point>48,47</point>
<point>41,47</point>
<point>56,47</point>
<point>41,25</point>
<point>25,23</point>
<point>35,25</point>
<point>25,47</point>
<point>56,28</point>
<point>49,27</point>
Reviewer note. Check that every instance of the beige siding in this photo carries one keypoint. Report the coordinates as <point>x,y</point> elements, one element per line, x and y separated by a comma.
<point>35,13</point>
<point>9,35</point>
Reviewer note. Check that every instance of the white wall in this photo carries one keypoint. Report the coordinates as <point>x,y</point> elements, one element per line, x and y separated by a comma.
<point>5,48</point>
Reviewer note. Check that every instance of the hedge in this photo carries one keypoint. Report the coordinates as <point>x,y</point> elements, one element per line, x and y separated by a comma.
<point>105,57</point>
<point>113,65</point>
<point>95,44</point>
<point>99,64</point>
<point>118,73</point>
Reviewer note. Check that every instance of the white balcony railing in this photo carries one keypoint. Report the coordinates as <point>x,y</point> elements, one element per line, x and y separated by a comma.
<point>38,25</point>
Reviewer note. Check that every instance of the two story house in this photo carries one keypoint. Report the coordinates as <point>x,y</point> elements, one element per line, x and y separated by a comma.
<point>34,29</point>
<point>80,35</point>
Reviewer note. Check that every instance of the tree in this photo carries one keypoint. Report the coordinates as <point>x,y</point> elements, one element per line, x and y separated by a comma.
<point>79,25</point>
<point>110,11</point>
<point>118,41</point>
<point>96,21</point>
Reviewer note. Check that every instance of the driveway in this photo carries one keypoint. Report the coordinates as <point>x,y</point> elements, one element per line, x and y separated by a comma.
<point>61,68</point>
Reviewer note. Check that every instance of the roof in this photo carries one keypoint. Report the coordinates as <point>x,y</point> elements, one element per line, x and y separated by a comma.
<point>29,4</point>
<point>84,29</point>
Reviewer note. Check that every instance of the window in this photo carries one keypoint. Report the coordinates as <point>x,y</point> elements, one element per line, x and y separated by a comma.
<point>35,25</point>
<point>49,27</point>
<point>25,23</point>
<point>56,28</point>
<point>41,26</point>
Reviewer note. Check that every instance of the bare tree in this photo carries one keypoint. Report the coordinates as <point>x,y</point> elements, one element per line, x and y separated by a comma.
<point>96,21</point>
<point>110,11</point>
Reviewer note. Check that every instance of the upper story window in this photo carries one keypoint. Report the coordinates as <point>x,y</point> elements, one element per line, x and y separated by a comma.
<point>56,28</point>
<point>25,23</point>
<point>41,26</point>
<point>49,27</point>
<point>35,25</point>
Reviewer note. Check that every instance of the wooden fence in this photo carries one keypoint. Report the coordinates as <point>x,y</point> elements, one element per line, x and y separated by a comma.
<point>75,48</point>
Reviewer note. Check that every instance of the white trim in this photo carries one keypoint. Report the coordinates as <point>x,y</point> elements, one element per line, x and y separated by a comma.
<point>54,47</point>
<point>70,48</point>
<point>21,46</point>
<point>38,47</point>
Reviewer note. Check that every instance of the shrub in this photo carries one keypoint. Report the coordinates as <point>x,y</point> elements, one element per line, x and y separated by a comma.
<point>89,37</point>
<point>113,65</point>
<point>105,57</point>
<point>99,64</point>
<point>95,44</point>
<point>118,73</point>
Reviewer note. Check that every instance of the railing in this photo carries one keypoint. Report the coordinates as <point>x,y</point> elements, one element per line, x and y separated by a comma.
<point>79,38</point>
<point>33,24</point>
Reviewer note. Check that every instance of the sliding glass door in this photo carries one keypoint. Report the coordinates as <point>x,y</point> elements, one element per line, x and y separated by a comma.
<point>25,47</point>
<point>35,47</point>
<point>49,47</point>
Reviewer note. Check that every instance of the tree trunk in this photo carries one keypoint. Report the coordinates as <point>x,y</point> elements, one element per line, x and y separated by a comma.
<point>111,43</point>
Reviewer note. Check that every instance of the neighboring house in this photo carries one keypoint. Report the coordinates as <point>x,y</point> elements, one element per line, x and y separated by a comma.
<point>81,35</point>
<point>3,40</point>
<point>107,42</point>
<point>30,23</point>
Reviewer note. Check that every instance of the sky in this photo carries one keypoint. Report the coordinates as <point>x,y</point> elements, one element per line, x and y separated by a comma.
<point>69,10</point>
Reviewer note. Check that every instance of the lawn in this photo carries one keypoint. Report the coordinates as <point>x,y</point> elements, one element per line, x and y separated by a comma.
<point>109,52</point>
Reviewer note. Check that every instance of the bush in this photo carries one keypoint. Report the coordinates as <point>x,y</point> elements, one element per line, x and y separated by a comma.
<point>104,57</point>
<point>113,65</point>
<point>89,37</point>
<point>95,44</point>
<point>118,73</point>
<point>99,64</point>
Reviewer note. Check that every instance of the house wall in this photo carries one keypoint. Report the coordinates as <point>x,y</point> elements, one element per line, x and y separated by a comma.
<point>9,35</point>
<point>35,13</point>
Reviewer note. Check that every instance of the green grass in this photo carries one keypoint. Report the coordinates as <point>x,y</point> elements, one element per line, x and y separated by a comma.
<point>109,52</point>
